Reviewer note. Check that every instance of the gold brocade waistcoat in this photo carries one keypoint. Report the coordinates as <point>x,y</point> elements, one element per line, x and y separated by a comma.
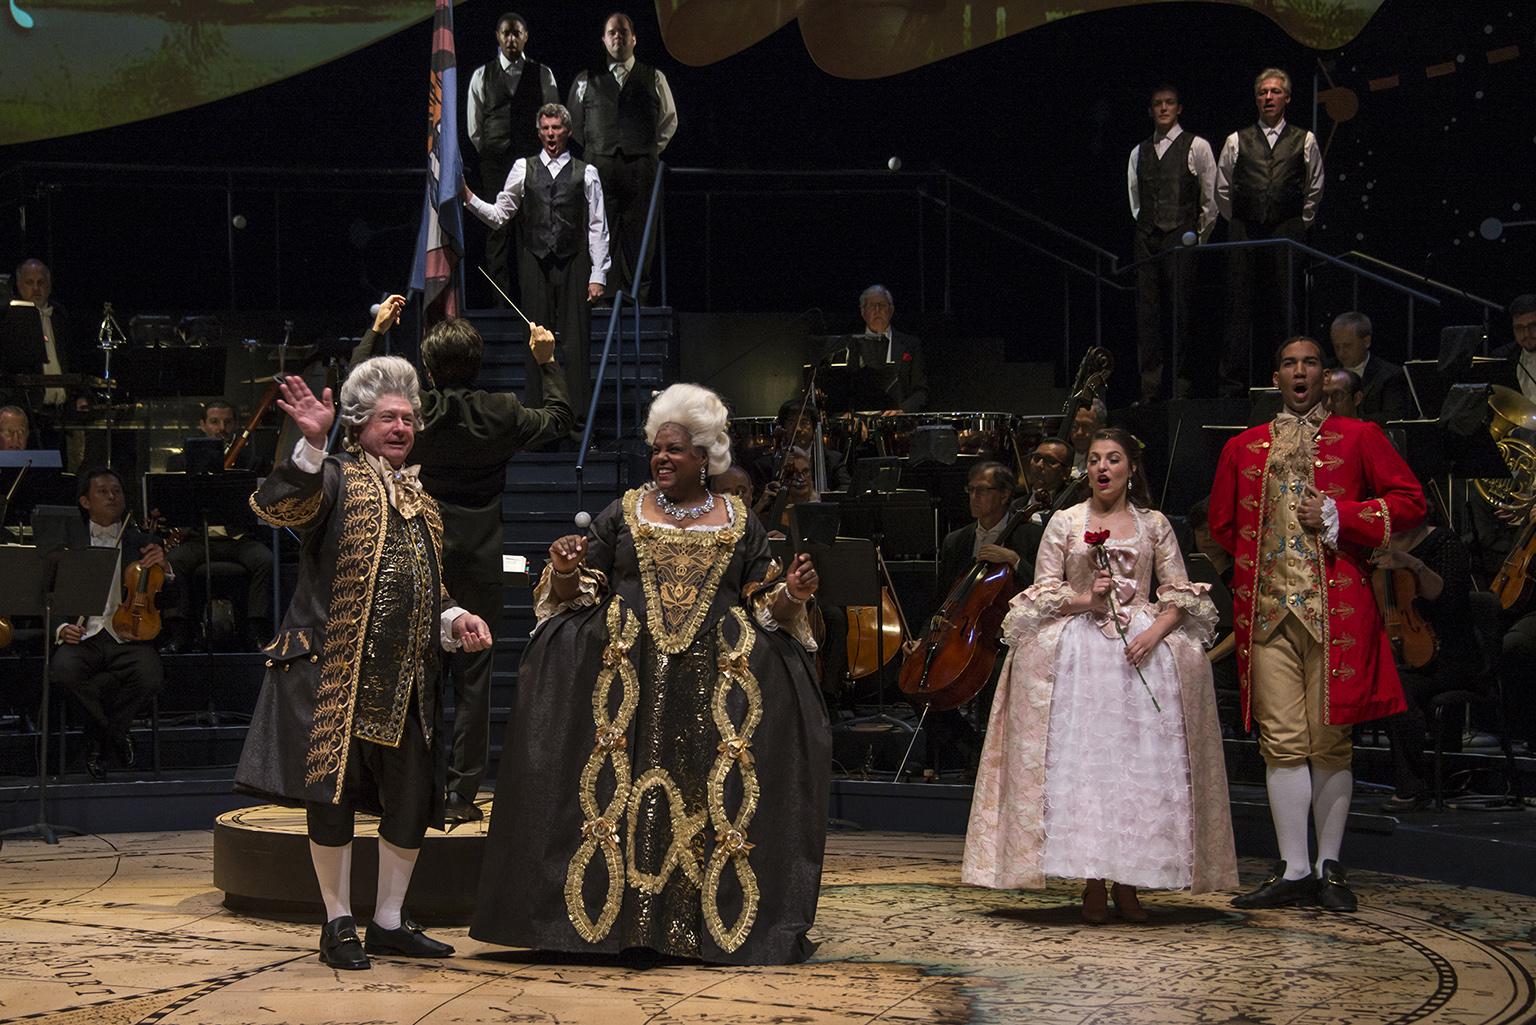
<point>1290,571</point>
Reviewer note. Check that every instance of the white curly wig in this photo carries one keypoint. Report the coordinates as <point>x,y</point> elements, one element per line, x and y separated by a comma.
<point>371,379</point>
<point>701,413</point>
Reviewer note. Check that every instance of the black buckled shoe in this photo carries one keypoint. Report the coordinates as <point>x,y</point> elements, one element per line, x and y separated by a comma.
<point>1333,892</point>
<point>406,941</point>
<point>1278,891</point>
<point>456,811</point>
<point>340,947</point>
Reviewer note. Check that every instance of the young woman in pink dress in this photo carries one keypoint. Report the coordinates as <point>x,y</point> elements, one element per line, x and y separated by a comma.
<point>1103,759</point>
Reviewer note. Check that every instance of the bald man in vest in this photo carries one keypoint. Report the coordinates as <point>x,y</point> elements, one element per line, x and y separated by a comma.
<point>623,116</point>
<point>1269,181</point>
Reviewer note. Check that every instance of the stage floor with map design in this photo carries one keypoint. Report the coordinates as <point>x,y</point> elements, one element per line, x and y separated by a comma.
<point>124,928</point>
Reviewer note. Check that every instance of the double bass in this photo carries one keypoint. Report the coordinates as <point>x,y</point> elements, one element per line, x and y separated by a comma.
<point>953,660</point>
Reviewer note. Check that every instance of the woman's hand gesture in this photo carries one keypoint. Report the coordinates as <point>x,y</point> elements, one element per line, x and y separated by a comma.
<point>312,416</point>
<point>802,580</point>
<point>568,553</point>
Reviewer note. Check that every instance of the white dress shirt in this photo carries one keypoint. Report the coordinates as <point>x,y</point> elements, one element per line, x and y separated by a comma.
<point>1360,369</point>
<point>1526,372</point>
<point>987,537</point>
<point>890,355</point>
<point>511,197</point>
<point>1314,171</point>
<point>666,107</point>
<point>1202,164</point>
<point>514,71</point>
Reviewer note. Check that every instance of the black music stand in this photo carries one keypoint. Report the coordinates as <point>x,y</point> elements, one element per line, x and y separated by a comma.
<point>219,497</point>
<point>65,583</point>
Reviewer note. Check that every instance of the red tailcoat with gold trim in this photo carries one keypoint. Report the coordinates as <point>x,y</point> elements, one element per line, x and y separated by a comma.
<point>1376,493</point>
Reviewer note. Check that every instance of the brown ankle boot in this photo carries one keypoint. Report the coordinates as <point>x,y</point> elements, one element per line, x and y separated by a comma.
<point>1127,904</point>
<point>1095,903</point>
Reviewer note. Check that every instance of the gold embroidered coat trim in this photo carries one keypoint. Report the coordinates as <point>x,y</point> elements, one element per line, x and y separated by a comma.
<point>364,504</point>
<point>295,511</point>
<point>680,571</point>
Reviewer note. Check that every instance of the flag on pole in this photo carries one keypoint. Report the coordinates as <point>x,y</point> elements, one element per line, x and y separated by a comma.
<point>440,242</point>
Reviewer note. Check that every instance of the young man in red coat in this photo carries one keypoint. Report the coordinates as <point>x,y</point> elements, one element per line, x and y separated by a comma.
<point>1301,502</point>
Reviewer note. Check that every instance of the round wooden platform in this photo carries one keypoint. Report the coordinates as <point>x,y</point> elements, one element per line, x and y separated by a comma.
<point>261,862</point>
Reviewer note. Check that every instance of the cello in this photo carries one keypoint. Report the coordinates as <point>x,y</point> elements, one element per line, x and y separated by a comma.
<point>953,660</point>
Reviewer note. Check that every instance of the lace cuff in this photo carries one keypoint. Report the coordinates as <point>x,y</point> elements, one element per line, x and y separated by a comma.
<point>797,626</point>
<point>1194,600</point>
<point>1033,607</point>
<point>593,584</point>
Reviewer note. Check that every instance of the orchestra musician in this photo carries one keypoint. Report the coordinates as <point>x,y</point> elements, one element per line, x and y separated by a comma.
<point>734,481</point>
<point>1048,480</point>
<point>15,429</point>
<point>1384,391</point>
<point>1437,564</point>
<point>224,545</point>
<point>895,357</point>
<point>1001,532</point>
<point>796,428</point>
<point>38,337</point>
<point>798,485</point>
<point>109,678</point>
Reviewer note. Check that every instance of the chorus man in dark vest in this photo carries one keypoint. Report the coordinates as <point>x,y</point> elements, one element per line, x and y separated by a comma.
<point>624,116</point>
<point>1172,180</point>
<point>505,95</point>
<point>1269,180</point>
<point>563,233</point>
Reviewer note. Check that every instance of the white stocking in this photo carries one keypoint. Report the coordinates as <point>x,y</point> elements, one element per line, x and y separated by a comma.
<point>333,871</point>
<point>395,866</point>
<point>1290,797</point>
<point>1331,791</point>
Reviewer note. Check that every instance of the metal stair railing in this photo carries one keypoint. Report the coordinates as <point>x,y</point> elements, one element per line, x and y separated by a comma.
<point>615,335</point>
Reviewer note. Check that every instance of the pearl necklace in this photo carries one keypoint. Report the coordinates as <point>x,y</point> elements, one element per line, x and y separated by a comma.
<point>678,512</point>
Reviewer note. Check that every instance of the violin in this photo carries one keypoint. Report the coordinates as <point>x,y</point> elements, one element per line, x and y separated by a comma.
<point>138,617</point>
<point>1516,582</point>
<point>953,660</point>
<point>1414,640</point>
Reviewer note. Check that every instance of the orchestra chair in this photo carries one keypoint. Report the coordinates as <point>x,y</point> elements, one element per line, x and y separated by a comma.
<point>1484,613</point>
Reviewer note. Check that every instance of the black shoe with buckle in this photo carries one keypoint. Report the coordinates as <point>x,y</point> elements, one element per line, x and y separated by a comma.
<point>406,941</point>
<point>1278,891</point>
<point>340,947</point>
<point>1333,892</point>
<point>456,810</point>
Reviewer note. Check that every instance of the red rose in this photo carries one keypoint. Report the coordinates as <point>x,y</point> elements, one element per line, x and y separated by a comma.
<point>1095,537</point>
<point>906,357</point>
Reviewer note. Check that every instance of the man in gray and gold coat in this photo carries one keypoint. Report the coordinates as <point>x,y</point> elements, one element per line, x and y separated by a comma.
<point>349,713</point>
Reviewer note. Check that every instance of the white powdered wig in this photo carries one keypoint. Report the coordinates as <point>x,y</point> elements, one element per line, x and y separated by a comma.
<point>372,378</point>
<point>701,413</point>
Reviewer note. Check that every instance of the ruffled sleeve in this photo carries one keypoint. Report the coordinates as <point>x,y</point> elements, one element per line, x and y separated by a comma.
<point>1043,600</point>
<point>764,582</point>
<point>602,540</point>
<point>1175,590</point>
<point>593,584</point>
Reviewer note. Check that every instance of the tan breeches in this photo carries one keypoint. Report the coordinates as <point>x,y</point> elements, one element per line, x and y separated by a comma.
<point>1289,701</point>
